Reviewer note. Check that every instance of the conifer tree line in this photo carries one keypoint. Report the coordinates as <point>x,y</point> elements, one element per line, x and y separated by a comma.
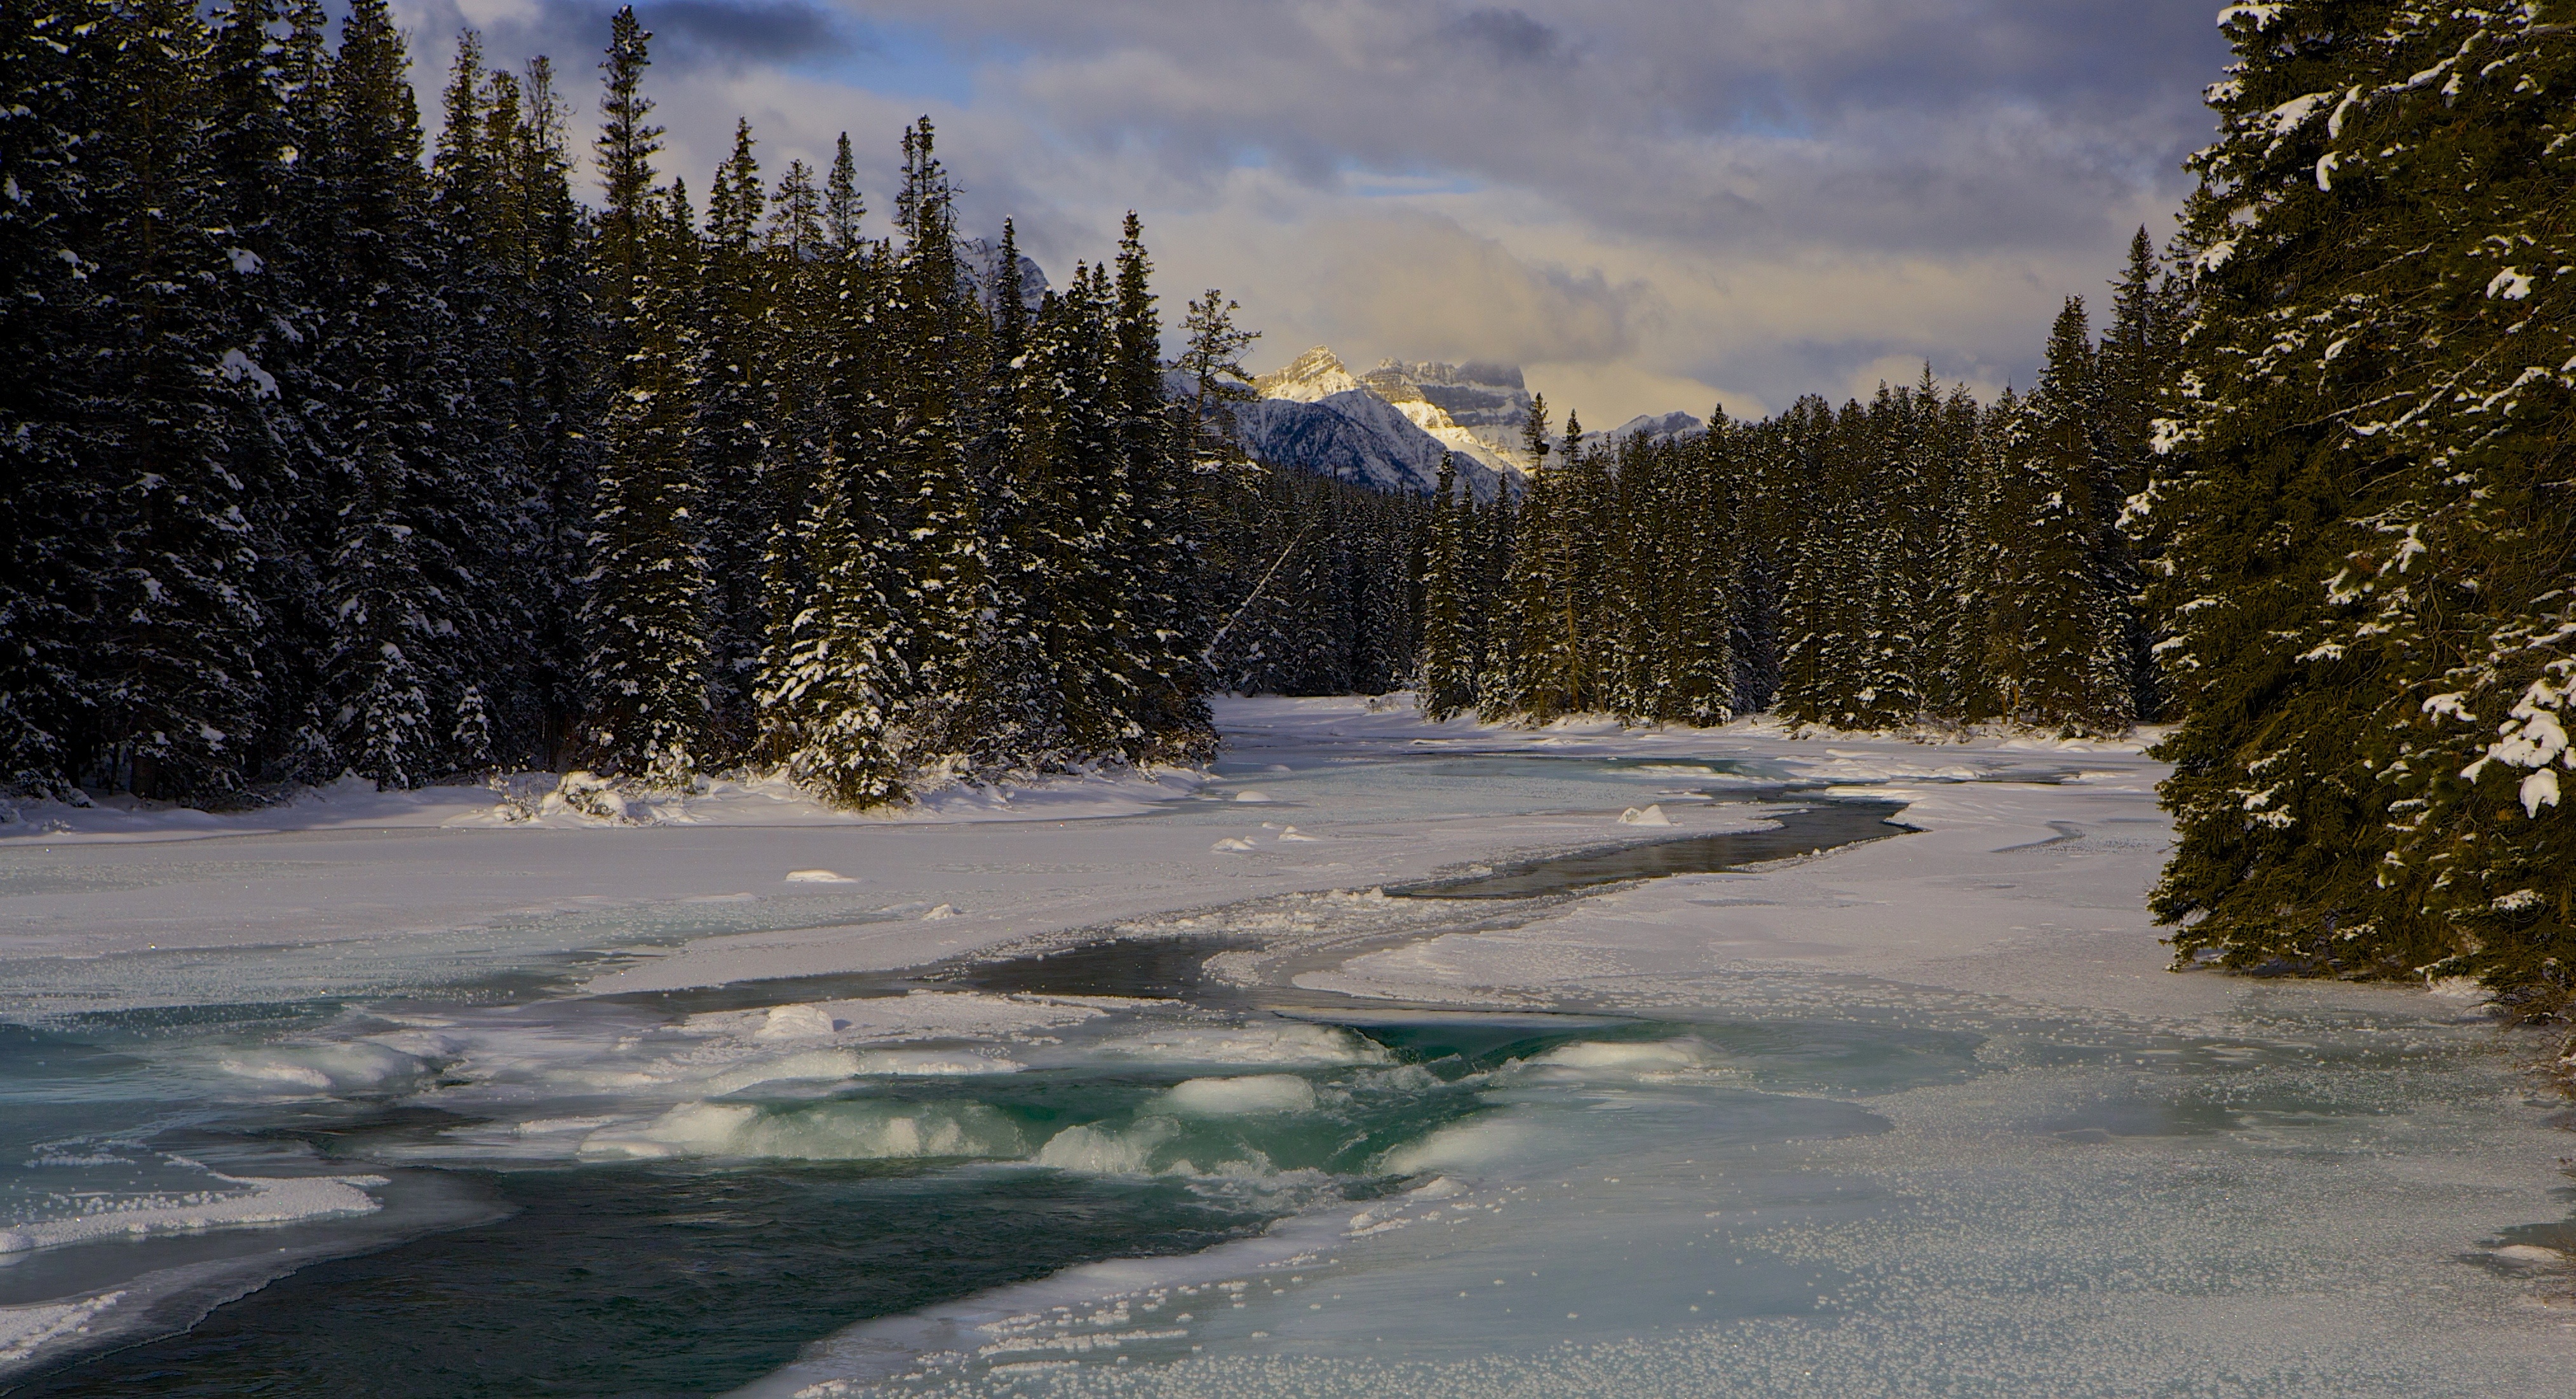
<point>2367,510</point>
<point>1920,559</point>
<point>332,447</point>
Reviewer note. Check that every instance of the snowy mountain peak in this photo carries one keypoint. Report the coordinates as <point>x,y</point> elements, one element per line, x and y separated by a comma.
<point>1655,425</point>
<point>1311,377</point>
<point>1392,426</point>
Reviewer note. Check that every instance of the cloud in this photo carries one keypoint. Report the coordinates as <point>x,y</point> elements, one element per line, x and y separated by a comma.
<point>774,30</point>
<point>1650,196</point>
<point>1422,281</point>
<point>1508,36</point>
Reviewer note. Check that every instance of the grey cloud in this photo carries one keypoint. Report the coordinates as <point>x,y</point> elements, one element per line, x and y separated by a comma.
<point>1884,122</point>
<point>779,29</point>
<point>689,36</point>
<point>2022,139</point>
<point>1507,35</point>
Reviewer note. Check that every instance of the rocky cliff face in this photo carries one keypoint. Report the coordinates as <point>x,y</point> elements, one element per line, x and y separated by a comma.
<point>1487,401</point>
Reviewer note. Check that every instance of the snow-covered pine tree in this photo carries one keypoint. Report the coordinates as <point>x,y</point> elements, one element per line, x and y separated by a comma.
<point>537,395</point>
<point>558,378</point>
<point>1446,683</point>
<point>644,611</point>
<point>1694,668</point>
<point>1018,723</point>
<point>490,503</point>
<point>1163,546</point>
<point>730,436</point>
<point>2065,651</point>
<point>53,499</point>
<point>270,92</point>
<point>1531,665</point>
<point>1636,565</point>
<point>1957,582</point>
<point>2366,499</point>
<point>930,381</point>
<point>179,692</point>
<point>1735,456</point>
<point>1825,608</point>
<point>2135,367</point>
<point>833,671</point>
<point>1796,463</point>
<point>1084,506</point>
<point>1497,626</point>
<point>1888,595</point>
<point>403,632</point>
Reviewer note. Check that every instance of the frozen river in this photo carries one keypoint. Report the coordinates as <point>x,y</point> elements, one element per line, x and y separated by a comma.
<point>1386,1059</point>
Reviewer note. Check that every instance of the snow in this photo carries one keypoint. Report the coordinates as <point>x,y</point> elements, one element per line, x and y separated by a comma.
<point>1381,428</point>
<point>1277,1045</point>
<point>236,367</point>
<point>2512,284</point>
<point>1309,378</point>
<point>884,1018</point>
<point>23,1330</point>
<point>1229,1097</point>
<point>582,801</point>
<point>236,1202</point>
<point>1926,1107</point>
<point>2538,789</point>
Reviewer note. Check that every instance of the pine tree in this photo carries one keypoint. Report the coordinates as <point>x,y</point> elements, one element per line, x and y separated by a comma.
<point>927,379</point>
<point>2066,666</point>
<point>1018,723</point>
<point>730,436</point>
<point>644,614</point>
<point>1163,546</point>
<point>402,630</point>
<point>1447,680</point>
<point>178,687</point>
<point>52,496</point>
<point>1212,362</point>
<point>842,206</point>
<point>1695,562</point>
<point>2133,369</point>
<point>832,672</point>
<point>627,144</point>
<point>560,341</point>
<point>2364,500</point>
<point>1813,624</point>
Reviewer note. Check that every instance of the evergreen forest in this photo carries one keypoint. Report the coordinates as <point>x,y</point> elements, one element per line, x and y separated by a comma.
<point>333,446</point>
<point>1918,561</point>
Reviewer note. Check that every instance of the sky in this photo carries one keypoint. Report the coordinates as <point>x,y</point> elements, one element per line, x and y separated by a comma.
<point>1648,204</point>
